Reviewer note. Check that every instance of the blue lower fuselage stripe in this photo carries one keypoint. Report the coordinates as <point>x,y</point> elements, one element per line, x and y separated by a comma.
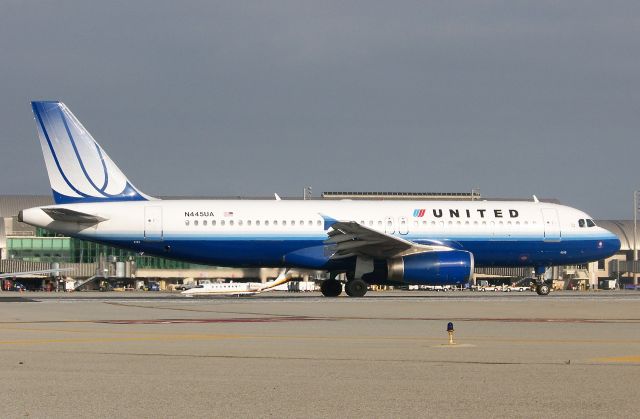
<point>269,250</point>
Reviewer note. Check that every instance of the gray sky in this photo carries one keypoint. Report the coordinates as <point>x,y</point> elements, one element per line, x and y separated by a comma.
<point>251,98</point>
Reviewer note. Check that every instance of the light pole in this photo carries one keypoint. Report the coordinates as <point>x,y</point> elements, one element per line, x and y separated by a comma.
<point>636,196</point>
<point>306,194</point>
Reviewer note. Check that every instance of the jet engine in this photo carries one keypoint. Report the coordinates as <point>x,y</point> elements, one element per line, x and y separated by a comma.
<point>429,268</point>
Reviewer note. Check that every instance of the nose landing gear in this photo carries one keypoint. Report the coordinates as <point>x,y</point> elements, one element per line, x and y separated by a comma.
<point>539,284</point>
<point>543,289</point>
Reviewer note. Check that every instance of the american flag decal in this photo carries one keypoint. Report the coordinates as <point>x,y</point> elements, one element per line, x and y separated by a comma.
<point>228,214</point>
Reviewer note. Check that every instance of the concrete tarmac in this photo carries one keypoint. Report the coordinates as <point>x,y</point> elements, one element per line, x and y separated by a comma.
<point>155,355</point>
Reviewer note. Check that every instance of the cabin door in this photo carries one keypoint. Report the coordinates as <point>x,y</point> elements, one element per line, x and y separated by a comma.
<point>551,225</point>
<point>153,223</point>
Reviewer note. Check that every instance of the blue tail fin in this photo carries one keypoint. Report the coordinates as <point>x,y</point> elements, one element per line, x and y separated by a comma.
<point>79,170</point>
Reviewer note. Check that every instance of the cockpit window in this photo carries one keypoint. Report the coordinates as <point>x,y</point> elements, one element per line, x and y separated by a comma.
<point>590,223</point>
<point>581,223</point>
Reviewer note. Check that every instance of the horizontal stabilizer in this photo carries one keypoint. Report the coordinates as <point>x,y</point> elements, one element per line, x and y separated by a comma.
<point>71,216</point>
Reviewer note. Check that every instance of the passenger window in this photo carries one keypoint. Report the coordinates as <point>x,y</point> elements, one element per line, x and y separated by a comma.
<point>257,222</point>
<point>293,222</point>
<point>239,222</point>
<point>266,222</point>
<point>230,222</point>
<point>195,222</point>
<point>310,223</point>
<point>222,222</point>
<point>275,222</point>
<point>319,223</point>
<point>581,223</point>
<point>248,222</point>
<point>213,222</point>
<point>590,223</point>
<point>186,222</point>
<point>204,222</point>
<point>284,222</point>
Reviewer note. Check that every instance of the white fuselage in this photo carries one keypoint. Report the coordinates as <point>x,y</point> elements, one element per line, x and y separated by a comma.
<point>264,233</point>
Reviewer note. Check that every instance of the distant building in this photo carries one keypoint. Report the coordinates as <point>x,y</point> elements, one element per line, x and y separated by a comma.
<point>22,242</point>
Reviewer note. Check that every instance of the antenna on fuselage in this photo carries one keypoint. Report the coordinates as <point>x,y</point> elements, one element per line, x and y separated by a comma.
<point>535,199</point>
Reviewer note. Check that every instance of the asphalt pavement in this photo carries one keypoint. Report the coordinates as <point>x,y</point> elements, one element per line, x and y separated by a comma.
<point>571,354</point>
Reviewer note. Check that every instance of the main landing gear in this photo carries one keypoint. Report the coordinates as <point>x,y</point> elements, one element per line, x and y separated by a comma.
<point>356,288</point>
<point>353,288</point>
<point>331,288</point>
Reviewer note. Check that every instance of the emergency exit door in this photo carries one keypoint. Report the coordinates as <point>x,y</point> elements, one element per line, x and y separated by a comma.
<point>403,226</point>
<point>389,225</point>
<point>153,223</point>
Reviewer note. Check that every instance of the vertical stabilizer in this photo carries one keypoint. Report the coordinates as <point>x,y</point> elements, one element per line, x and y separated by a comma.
<point>79,170</point>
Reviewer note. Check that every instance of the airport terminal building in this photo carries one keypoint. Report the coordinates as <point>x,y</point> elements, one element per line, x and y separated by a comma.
<point>24,248</point>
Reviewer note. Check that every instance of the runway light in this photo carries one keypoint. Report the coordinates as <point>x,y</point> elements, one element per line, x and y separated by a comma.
<point>450,332</point>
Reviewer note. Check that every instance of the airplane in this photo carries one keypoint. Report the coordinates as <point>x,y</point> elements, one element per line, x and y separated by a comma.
<point>237,288</point>
<point>370,242</point>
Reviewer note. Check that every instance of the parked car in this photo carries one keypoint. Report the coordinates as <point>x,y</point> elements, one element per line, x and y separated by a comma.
<point>488,288</point>
<point>153,286</point>
<point>18,287</point>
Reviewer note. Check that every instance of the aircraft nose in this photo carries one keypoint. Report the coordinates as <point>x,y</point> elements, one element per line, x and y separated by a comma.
<point>610,244</point>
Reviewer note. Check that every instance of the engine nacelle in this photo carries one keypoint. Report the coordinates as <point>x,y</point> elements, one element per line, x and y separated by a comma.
<point>432,268</point>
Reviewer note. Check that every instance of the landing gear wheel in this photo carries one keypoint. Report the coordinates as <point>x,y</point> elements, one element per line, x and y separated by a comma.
<point>331,288</point>
<point>356,288</point>
<point>543,289</point>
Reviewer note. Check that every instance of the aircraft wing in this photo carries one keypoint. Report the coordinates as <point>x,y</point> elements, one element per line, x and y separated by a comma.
<point>71,216</point>
<point>351,238</point>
